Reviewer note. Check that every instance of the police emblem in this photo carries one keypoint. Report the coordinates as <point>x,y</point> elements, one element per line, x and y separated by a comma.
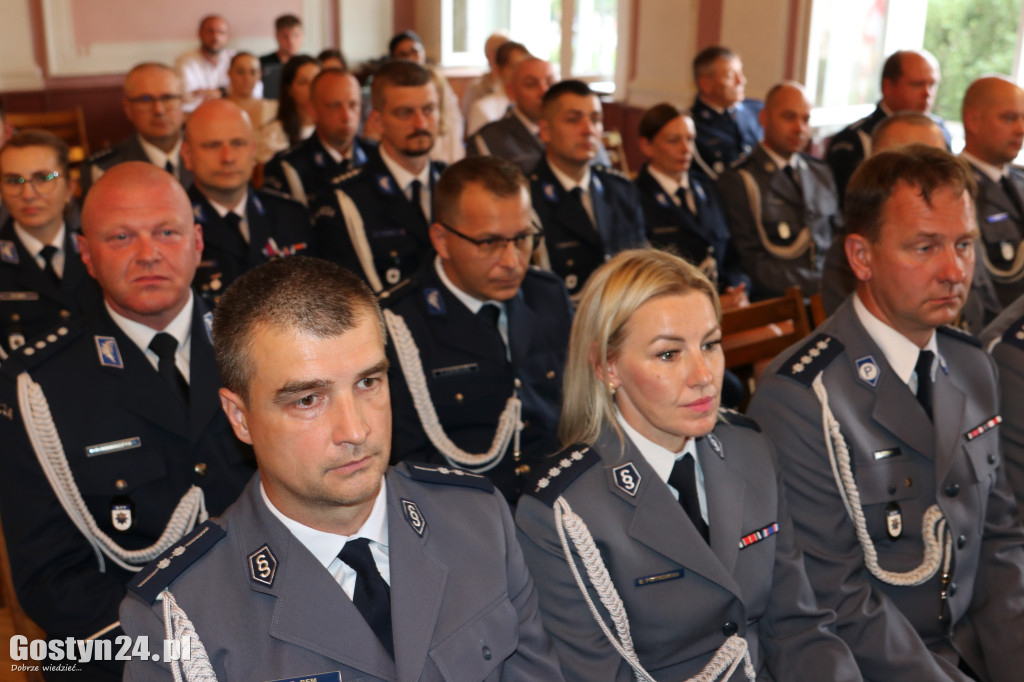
<point>549,192</point>
<point>122,514</point>
<point>662,199</point>
<point>571,281</point>
<point>435,303</point>
<point>867,370</point>
<point>413,516</point>
<point>893,521</point>
<point>106,348</point>
<point>715,444</point>
<point>263,566</point>
<point>197,213</point>
<point>8,252</point>
<point>393,275</point>
<point>384,184</point>
<point>627,478</point>
<point>784,231</point>
<point>208,323</point>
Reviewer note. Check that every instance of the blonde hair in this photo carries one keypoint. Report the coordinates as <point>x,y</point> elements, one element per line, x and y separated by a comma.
<point>611,295</point>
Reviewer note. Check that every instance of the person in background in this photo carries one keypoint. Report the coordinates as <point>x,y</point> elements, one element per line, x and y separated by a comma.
<point>727,123</point>
<point>490,82</point>
<point>289,36</point>
<point>294,122</point>
<point>332,59</point>
<point>204,71</point>
<point>244,74</point>
<point>495,105</point>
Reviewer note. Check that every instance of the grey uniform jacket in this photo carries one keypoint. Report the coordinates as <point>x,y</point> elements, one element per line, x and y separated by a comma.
<point>902,464</point>
<point>463,605</point>
<point>1001,226</point>
<point>1004,339</point>
<point>128,149</point>
<point>782,241</point>
<point>682,597</point>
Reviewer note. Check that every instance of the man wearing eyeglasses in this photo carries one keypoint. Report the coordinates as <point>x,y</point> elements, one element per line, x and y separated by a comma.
<point>152,102</point>
<point>42,279</point>
<point>486,333</point>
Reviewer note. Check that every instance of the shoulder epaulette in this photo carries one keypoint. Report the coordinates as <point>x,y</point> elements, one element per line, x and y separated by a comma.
<point>960,334</point>
<point>276,194</point>
<point>814,356</point>
<point>40,349</point>
<point>565,467</point>
<point>812,160</point>
<point>736,419</point>
<point>1014,334</point>
<point>430,473</point>
<point>740,162</point>
<point>101,154</point>
<point>347,175</point>
<point>388,297</point>
<point>612,172</point>
<point>160,572</point>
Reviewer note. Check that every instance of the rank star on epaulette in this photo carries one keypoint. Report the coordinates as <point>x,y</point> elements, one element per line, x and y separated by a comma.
<point>152,579</point>
<point>809,360</point>
<point>572,462</point>
<point>989,424</point>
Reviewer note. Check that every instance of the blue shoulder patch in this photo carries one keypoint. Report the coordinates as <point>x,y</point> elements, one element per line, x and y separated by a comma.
<point>736,419</point>
<point>1014,334</point>
<point>430,473</point>
<point>959,334</point>
<point>565,467</point>
<point>814,356</point>
<point>160,572</point>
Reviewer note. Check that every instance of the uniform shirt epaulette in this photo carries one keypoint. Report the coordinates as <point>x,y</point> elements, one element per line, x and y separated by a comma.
<point>740,162</point>
<point>40,349</point>
<point>271,192</point>
<point>160,572</point>
<point>814,356</point>
<point>100,155</point>
<point>813,160</point>
<point>949,330</point>
<point>612,172</point>
<point>736,419</point>
<point>548,484</point>
<point>1014,334</point>
<point>431,473</point>
<point>389,297</point>
<point>347,175</point>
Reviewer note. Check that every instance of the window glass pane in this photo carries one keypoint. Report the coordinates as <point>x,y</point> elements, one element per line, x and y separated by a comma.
<point>595,37</point>
<point>848,49</point>
<point>538,25</point>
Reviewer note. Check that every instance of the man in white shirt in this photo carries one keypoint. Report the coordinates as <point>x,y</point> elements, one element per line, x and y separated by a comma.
<point>204,71</point>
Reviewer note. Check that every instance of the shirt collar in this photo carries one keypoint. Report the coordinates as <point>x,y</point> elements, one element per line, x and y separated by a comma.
<point>474,304</point>
<point>326,546</point>
<point>334,153</point>
<point>781,161</point>
<point>238,208</point>
<point>568,183</point>
<point>667,183</point>
<point>530,125</point>
<point>403,177</point>
<point>899,351</point>
<point>141,335</point>
<point>660,459</point>
<point>33,245</point>
<point>158,157</point>
<point>994,173</point>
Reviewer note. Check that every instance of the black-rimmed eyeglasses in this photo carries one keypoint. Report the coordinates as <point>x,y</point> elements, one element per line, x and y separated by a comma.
<point>525,242</point>
<point>42,183</point>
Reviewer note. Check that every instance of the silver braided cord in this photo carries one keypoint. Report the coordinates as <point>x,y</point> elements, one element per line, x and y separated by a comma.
<point>509,423</point>
<point>937,539</point>
<point>177,627</point>
<point>721,666</point>
<point>42,433</point>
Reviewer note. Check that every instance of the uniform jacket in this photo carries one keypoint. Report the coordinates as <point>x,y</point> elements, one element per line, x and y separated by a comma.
<point>1001,225</point>
<point>463,606</point>
<point>574,247</point>
<point>902,464</point>
<point>469,376</point>
<point>30,303</point>
<point>507,138</point>
<point>394,229</point>
<point>682,597</point>
<point>128,149</point>
<point>1001,340</point>
<point>723,138</point>
<point>278,226</point>
<point>798,222</point>
<point>156,451</point>
<point>695,238</point>
<point>852,144</point>
<point>308,170</point>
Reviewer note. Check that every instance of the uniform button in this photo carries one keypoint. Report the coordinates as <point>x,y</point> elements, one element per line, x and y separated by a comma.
<point>62,331</point>
<point>991,458</point>
<point>200,469</point>
<point>953,489</point>
<point>570,262</point>
<point>961,541</point>
<point>892,490</point>
<point>730,629</point>
<point>121,484</point>
<point>952,588</point>
<point>550,374</point>
<point>486,651</point>
<point>459,398</point>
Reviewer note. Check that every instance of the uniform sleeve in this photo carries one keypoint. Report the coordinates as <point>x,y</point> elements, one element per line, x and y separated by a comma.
<point>586,655</point>
<point>883,641</point>
<point>140,620</point>
<point>1011,432</point>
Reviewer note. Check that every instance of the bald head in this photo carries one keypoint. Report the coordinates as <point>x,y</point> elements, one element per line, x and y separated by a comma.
<point>786,118</point>
<point>530,80</point>
<point>908,127</point>
<point>993,115</point>
<point>123,184</point>
<point>220,150</point>
<point>910,81</point>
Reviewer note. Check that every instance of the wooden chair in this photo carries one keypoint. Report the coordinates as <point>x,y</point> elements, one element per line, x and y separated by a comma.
<point>757,333</point>
<point>67,124</point>
<point>612,140</point>
<point>818,314</point>
<point>23,625</point>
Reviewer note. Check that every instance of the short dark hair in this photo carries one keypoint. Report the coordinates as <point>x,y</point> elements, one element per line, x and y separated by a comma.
<point>505,50</point>
<point>892,69</point>
<point>307,294</point>
<point>239,55</point>
<point>287,21</point>
<point>499,177</point>
<point>400,74</point>
<point>332,53</point>
<point>917,165</point>
<point>399,37</point>
<point>914,118</point>
<point>657,117</point>
<point>42,138</point>
<point>567,87</point>
<point>707,57</point>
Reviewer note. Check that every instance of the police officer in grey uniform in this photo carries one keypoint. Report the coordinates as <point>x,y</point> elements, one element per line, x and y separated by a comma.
<point>1004,339</point>
<point>487,328</point>
<point>309,168</point>
<point>152,102</point>
<point>375,221</point>
<point>332,565</point>
<point>886,422</point>
<point>588,212</point>
<point>681,503</point>
<point>781,204</point>
<point>114,446</point>
<point>42,280</point>
<point>993,114</point>
<point>242,226</point>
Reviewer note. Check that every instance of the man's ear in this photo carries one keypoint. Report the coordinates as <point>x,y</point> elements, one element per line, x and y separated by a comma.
<point>858,254</point>
<point>237,413</point>
<point>545,130</point>
<point>439,240</point>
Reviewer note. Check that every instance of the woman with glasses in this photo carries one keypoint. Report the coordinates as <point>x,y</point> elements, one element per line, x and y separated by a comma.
<point>659,537</point>
<point>477,336</point>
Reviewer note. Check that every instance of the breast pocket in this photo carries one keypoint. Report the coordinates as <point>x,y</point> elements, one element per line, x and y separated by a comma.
<point>477,649</point>
<point>894,491</point>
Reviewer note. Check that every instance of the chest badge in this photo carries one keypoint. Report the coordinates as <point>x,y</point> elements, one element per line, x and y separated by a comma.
<point>413,516</point>
<point>122,514</point>
<point>784,231</point>
<point>893,521</point>
<point>867,370</point>
<point>627,479</point>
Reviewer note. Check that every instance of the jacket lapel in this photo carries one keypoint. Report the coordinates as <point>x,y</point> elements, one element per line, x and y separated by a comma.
<point>950,407</point>
<point>259,228</point>
<point>204,403</point>
<point>520,328</point>
<point>722,487</point>
<point>565,211</point>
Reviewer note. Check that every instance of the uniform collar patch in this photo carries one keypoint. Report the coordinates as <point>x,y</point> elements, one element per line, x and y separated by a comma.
<point>627,478</point>
<point>715,444</point>
<point>868,371</point>
<point>8,252</point>
<point>598,186</point>
<point>318,159</point>
<point>435,302</point>
<point>198,214</point>
<point>208,323</point>
<point>358,155</point>
<point>549,193</point>
<point>258,204</point>
<point>109,353</point>
<point>263,566</point>
<point>662,199</point>
<point>699,191</point>
<point>384,184</point>
<point>413,516</point>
